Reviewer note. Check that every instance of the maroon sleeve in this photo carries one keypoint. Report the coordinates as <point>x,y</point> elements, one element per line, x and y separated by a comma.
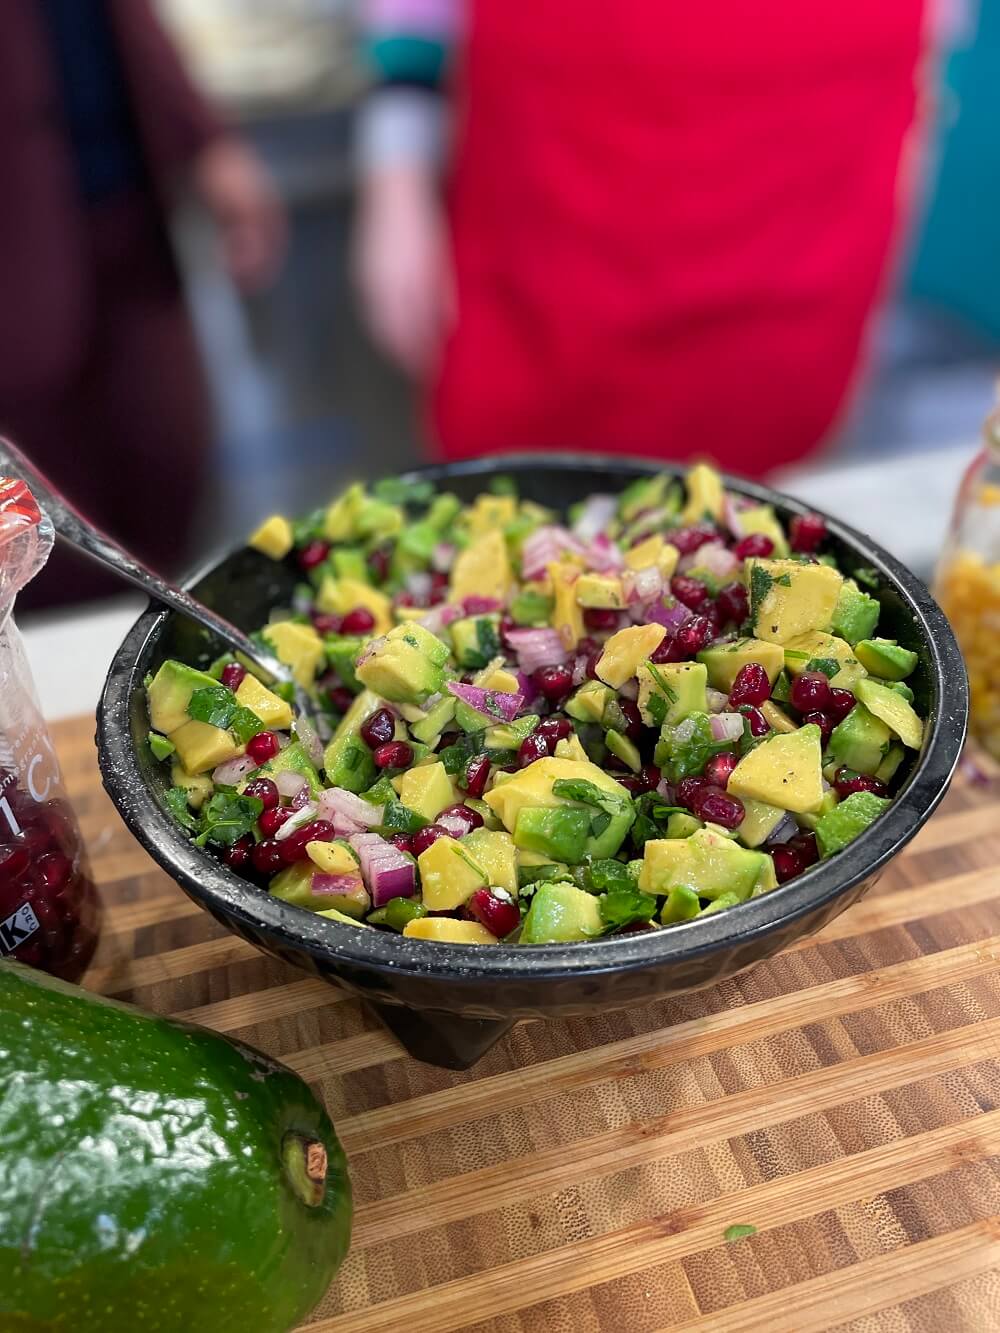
<point>175,120</point>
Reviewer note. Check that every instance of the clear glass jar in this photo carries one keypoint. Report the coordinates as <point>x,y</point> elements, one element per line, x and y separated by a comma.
<point>968,584</point>
<point>49,908</point>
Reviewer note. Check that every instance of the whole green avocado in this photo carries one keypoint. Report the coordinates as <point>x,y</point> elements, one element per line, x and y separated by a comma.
<point>155,1176</point>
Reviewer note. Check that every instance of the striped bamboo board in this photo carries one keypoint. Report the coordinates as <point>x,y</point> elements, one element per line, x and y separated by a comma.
<point>843,1099</point>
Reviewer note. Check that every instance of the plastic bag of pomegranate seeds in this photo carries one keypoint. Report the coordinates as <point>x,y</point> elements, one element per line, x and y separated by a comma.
<point>49,909</point>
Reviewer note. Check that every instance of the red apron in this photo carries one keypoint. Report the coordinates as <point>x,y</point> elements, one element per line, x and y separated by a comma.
<point>670,222</point>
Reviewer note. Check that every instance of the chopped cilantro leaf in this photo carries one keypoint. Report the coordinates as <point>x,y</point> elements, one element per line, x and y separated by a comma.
<point>227,817</point>
<point>588,793</point>
<point>177,803</point>
<point>867,576</point>
<point>760,585</point>
<point>218,706</point>
<point>656,706</point>
<point>622,906</point>
<point>487,638</point>
<point>829,666</point>
<point>399,818</point>
<point>397,491</point>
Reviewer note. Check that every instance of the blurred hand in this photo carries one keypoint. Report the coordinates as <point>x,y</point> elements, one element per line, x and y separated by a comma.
<point>237,191</point>
<point>401,265</point>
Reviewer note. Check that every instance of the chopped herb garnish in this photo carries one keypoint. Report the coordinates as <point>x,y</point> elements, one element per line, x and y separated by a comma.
<point>397,491</point>
<point>177,803</point>
<point>867,576</point>
<point>622,906</point>
<point>738,1230</point>
<point>218,706</point>
<point>162,747</point>
<point>829,666</point>
<point>760,585</point>
<point>227,817</point>
<point>399,818</point>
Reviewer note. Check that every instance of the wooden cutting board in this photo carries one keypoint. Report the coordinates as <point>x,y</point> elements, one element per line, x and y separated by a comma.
<point>844,1099</point>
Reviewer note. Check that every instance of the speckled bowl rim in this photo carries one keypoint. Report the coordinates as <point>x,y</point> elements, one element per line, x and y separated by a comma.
<point>291,928</point>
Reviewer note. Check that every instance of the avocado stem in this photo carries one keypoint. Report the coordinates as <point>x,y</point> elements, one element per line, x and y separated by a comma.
<point>306,1164</point>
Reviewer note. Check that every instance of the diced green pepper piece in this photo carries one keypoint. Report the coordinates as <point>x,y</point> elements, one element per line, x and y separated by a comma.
<point>161,746</point>
<point>397,913</point>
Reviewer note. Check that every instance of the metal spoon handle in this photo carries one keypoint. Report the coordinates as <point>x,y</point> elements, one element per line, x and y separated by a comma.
<point>72,527</point>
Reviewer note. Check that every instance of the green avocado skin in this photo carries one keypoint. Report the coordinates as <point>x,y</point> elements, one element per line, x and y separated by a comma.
<point>141,1178</point>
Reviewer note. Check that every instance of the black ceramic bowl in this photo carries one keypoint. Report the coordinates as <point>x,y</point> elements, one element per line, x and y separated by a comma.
<point>448,1003</point>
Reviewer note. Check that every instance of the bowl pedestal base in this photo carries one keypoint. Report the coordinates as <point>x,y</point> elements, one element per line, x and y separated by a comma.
<point>437,1038</point>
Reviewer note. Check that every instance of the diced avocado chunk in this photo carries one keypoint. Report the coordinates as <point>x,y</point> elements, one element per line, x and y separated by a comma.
<point>161,747</point>
<point>902,689</point>
<point>200,746</point>
<point>889,766</point>
<point>898,715</point>
<point>725,661</point>
<point>571,747</point>
<point>475,640</point>
<point>855,615</point>
<point>561,913</point>
<point>784,770</point>
<point>817,651</point>
<point>343,651</point>
<point>860,742</point>
<point>298,646</point>
<point>762,519</point>
<point>509,735</point>
<point>759,822</point>
<point>169,694</point>
<point>428,790</point>
<point>625,652</point>
<point>600,591</point>
<point>708,863</point>
<point>339,596</point>
<point>292,759</point>
<point>294,885</point>
<point>680,825</point>
<point>430,727</point>
<point>406,666</point>
<point>366,703</point>
<point>449,875</point>
<point>349,764</point>
<point>851,817</point>
<point>776,717</point>
<point>671,691</point>
<point>589,702</point>
<point>885,658</point>
<point>494,851</point>
<point>446,930</point>
<point>272,710</point>
<point>482,569</point>
<point>627,751</point>
<point>788,598</point>
<point>560,834</point>
<point>531,608</point>
<point>705,496</point>
<point>197,786</point>
<point>643,493</point>
<point>682,904</point>
<point>809,819</point>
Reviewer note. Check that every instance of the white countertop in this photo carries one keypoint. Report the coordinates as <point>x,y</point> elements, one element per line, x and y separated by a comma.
<point>903,502</point>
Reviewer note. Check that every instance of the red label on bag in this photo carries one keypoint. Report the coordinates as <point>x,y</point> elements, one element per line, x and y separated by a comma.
<point>17,500</point>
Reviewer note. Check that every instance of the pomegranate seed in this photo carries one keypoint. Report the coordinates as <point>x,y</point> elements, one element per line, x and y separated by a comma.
<point>378,562</point>
<point>293,848</point>
<point>471,818</point>
<point>405,599</point>
<point>597,618</point>
<point>358,621</point>
<point>709,611</point>
<point>271,820</point>
<point>805,844</point>
<point>555,728</point>
<point>340,698</point>
<point>787,862</point>
<point>477,774</point>
<point>691,592</point>
<point>505,627</point>
<point>666,650</point>
<point>404,841</point>
<point>632,784</point>
<point>233,676</point>
<point>822,720</point>
<point>262,747</point>
<point>649,777</point>
<point>689,540</point>
<point>688,790</point>
<point>476,606</point>
<point>715,806</point>
<point>238,856</point>
<point>756,544</point>
<point>633,718</point>
<point>439,586</point>
<point>692,636</point>
<point>449,738</point>
<point>811,691</point>
<point>14,861</point>
<point>806,533</point>
<point>733,603</point>
<point>394,754</point>
<point>301,798</point>
<point>555,682</point>
<point>846,781</point>
<point>34,840</point>
<point>325,623</point>
<point>498,915</point>
<point>266,857</point>
<point>759,725</point>
<point>427,837</point>
<point>719,769</point>
<point>840,704</point>
<point>534,747</point>
<point>751,686</point>
<point>590,669</point>
<point>313,554</point>
<point>265,791</point>
<point>378,729</point>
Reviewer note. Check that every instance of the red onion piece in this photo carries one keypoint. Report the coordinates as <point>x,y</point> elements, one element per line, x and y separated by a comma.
<point>529,690</point>
<point>396,880</point>
<point>642,585</point>
<point>630,690</point>
<point>537,648</point>
<point>304,816</point>
<point>493,704</point>
<point>545,545</point>
<point>233,771</point>
<point>481,606</point>
<point>717,701</point>
<point>311,743</point>
<point>438,617</point>
<point>579,670</point>
<point>442,557</point>
<point>785,829</point>
<point>419,585</point>
<point>289,784</point>
<point>596,514</point>
<point>670,617</point>
<point>335,802</point>
<point>731,515</point>
<point>713,557</point>
<point>339,884</point>
<point>603,556</point>
<point>727,727</point>
<point>664,789</point>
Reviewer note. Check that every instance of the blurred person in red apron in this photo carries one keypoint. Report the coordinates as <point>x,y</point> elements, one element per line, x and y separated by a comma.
<point>100,380</point>
<point>667,224</point>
